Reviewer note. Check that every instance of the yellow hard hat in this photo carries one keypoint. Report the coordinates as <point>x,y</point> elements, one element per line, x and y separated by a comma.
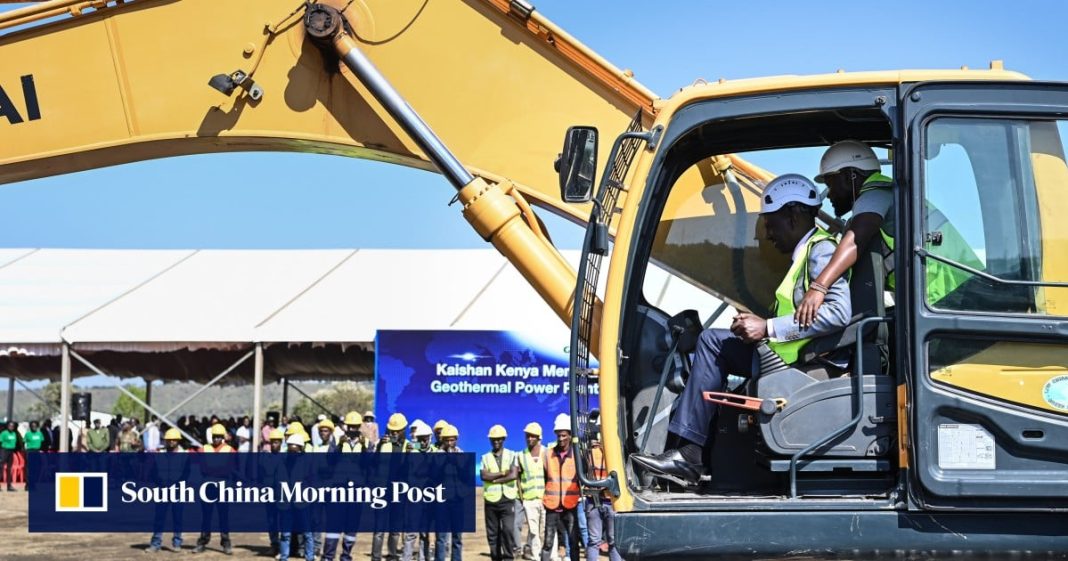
<point>397,421</point>
<point>497,431</point>
<point>353,418</point>
<point>218,430</point>
<point>276,434</point>
<point>440,425</point>
<point>449,430</point>
<point>326,423</point>
<point>295,428</point>
<point>172,434</point>
<point>533,428</point>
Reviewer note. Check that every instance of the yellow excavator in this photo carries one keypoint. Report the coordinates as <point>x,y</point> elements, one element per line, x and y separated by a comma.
<point>945,436</point>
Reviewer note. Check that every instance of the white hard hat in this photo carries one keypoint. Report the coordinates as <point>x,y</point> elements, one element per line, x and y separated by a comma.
<point>295,439</point>
<point>422,429</point>
<point>847,154</point>
<point>788,188</point>
<point>563,422</point>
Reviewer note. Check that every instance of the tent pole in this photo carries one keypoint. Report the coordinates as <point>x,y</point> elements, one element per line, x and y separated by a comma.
<point>11,398</point>
<point>64,399</point>
<point>257,398</point>
<point>148,399</point>
<point>285,397</point>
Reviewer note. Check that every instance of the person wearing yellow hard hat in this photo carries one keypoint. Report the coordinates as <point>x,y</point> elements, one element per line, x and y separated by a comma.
<point>531,490</point>
<point>218,440</point>
<point>216,468</point>
<point>275,439</point>
<point>445,540</point>
<point>394,442</point>
<point>498,472</point>
<point>442,423</point>
<point>270,473</point>
<point>325,430</point>
<point>353,441</point>
<point>169,471</point>
<point>295,427</point>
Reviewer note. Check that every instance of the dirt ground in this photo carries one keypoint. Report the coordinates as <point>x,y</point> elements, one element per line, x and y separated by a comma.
<point>17,544</point>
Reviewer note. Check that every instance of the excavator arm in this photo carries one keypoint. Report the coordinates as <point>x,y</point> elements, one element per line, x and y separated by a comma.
<point>128,82</point>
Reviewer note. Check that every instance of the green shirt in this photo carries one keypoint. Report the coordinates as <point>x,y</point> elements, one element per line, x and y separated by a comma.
<point>97,440</point>
<point>9,440</point>
<point>33,439</point>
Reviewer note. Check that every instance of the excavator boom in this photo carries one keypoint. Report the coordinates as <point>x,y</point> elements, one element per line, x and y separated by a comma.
<point>110,84</point>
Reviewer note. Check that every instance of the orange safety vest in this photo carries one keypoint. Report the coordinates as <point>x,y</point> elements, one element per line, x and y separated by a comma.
<point>597,464</point>
<point>561,481</point>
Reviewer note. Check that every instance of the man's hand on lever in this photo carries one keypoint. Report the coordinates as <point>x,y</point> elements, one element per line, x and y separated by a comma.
<point>749,327</point>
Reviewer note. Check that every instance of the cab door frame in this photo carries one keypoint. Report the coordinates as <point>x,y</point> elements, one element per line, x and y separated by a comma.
<point>932,406</point>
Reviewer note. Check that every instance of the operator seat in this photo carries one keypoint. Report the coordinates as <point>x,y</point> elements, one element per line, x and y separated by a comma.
<point>802,404</point>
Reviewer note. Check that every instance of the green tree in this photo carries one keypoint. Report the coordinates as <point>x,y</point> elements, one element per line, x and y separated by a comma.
<point>127,407</point>
<point>338,400</point>
<point>50,406</point>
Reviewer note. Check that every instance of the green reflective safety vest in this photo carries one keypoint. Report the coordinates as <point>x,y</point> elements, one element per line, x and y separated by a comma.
<point>352,446</point>
<point>788,351</point>
<point>493,492</point>
<point>941,278</point>
<point>532,478</point>
<point>386,446</point>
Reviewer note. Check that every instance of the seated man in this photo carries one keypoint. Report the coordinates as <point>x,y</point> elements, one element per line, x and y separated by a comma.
<point>789,210</point>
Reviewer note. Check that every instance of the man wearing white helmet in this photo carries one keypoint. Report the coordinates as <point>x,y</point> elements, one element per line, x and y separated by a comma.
<point>854,183</point>
<point>788,210</point>
<point>851,172</point>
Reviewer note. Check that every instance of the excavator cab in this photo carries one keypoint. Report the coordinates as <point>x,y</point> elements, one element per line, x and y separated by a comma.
<point>931,399</point>
<point>798,426</point>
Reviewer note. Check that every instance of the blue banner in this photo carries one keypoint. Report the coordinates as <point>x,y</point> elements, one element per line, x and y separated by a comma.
<point>474,380</point>
<point>251,492</point>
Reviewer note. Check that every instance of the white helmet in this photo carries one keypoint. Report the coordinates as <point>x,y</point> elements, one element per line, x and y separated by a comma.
<point>563,422</point>
<point>423,429</point>
<point>788,188</point>
<point>847,154</point>
<point>295,439</point>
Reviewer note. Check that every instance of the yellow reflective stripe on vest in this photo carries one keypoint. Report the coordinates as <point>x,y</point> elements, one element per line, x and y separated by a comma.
<point>349,447</point>
<point>784,296</point>
<point>493,492</point>
<point>532,480</point>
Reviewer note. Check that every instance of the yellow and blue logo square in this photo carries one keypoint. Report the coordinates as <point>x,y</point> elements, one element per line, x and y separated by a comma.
<point>81,492</point>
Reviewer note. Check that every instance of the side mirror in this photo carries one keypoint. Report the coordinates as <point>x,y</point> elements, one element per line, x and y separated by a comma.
<point>577,165</point>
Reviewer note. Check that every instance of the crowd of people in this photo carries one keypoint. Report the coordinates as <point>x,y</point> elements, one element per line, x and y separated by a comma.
<point>533,505</point>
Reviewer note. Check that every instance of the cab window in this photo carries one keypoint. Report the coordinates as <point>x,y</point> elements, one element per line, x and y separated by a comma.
<point>996,192</point>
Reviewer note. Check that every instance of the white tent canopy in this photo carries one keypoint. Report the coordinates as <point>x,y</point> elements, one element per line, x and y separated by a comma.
<point>184,314</point>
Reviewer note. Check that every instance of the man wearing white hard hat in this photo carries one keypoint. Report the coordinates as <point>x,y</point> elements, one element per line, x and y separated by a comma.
<point>852,174</point>
<point>788,209</point>
<point>854,183</point>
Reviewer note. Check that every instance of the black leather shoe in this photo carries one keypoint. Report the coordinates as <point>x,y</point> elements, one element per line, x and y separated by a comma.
<point>670,464</point>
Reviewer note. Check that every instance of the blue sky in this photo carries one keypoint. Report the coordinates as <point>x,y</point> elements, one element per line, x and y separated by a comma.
<point>179,203</point>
